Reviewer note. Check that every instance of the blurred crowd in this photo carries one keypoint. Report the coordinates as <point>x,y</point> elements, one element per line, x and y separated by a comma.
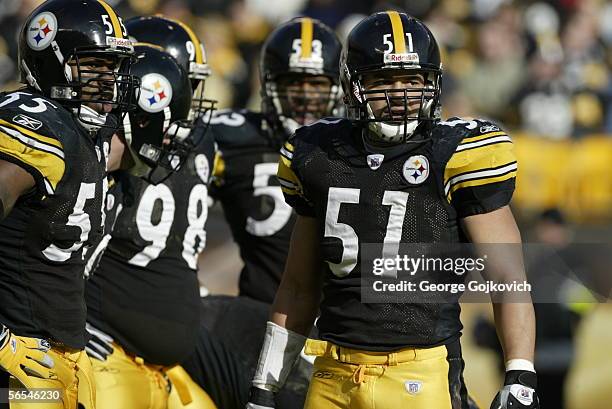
<point>542,67</point>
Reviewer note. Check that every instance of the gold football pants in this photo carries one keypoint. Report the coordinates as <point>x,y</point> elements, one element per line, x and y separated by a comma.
<point>409,378</point>
<point>80,391</point>
<point>126,382</point>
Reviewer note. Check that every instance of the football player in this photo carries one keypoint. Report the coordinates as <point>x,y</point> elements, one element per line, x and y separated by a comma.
<point>394,173</point>
<point>300,84</point>
<point>143,297</point>
<point>178,39</point>
<point>55,135</point>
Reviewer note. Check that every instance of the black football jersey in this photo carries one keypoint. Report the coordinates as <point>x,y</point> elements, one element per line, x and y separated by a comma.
<point>45,237</point>
<point>245,184</point>
<point>414,194</point>
<point>145,291</point>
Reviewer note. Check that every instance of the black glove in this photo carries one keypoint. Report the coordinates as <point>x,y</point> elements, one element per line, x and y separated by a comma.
<point>260,399</point>
<point>519,392</point>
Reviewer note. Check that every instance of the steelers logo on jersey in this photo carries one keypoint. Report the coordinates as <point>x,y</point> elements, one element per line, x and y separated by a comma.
<point>202,167</point>
<point>155,93</point>
<point>416,169</point>
<point>42,31</point>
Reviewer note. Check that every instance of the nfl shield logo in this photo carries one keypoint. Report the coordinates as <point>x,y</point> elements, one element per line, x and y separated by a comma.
<point>413,387</point>
<point>375,160</point>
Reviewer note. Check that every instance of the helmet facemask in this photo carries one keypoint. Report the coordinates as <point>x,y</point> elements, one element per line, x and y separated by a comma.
<point>301,99</point>
<point>172,155</point>
<point>157,160</point>
<point>97,82</point>
<point>200,105</point>
<point>395,102</point>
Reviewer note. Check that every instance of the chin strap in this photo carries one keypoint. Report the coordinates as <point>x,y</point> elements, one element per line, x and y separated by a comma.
<point>89,118</point>
<point>395,133</point>
<point>289,125</point>
<point>139,168</point>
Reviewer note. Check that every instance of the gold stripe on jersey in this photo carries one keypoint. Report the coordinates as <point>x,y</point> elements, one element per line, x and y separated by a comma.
<point>480,182</point>
<point>399,41</point>
<point>289,182</point>
<point>288,146</point>
<point>218,168</point>
<point>306,29</point>
<point>114,19</point>
<point>473,159</point>
<point>199,58</point>
<point>50,167</point>
<point>483,136</point>
<point>492,140</point>
<point>480,165</point>
<point>40,138</point>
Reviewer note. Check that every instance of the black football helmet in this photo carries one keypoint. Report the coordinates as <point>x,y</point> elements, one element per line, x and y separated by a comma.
<point>181,42</point>
<point>303,47</point>
<point>157,132</point>
<point>77,53</point>
<point>389,42</point>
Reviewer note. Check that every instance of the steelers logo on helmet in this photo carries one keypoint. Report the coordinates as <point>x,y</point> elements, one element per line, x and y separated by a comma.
<point>155,93</point>
<point>42,31</point>
<point>416,169</point>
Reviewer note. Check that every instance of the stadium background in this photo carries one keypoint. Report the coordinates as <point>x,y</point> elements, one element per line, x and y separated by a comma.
<point>542,69</point>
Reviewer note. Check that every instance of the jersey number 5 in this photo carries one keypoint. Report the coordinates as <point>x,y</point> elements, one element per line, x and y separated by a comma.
<point>78,218</point>
<point>282,211</point>
<point>348,237</point>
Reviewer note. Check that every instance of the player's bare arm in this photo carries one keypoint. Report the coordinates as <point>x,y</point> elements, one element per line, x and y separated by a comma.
<point>297,299</point>
<point>293,313</point>
<point>514,321</point>
<point>14,181</point>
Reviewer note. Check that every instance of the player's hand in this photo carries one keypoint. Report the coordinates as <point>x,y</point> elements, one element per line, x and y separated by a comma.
<point>519,392</point>
<point>25,358</point>
<point>100,346</point>
<point>260,399</point>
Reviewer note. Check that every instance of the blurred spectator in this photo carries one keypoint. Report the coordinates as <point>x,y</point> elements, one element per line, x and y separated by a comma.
<point>556,322</point>
<point>500,69</point>
<point>585,71</point>
<point>276,11</point>
<point>331,12</point>
<point>544,103</point>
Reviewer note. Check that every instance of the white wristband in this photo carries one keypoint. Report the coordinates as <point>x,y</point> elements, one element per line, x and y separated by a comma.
<point>519,365</point>
<point>279,351</point>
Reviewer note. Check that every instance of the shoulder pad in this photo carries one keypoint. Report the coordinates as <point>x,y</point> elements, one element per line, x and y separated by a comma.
<point>463,128</point>
<point>323,129</point>
<point>33,135</point>
<point>232,128</point>
<point>456,134</point>
<point>32,112</point>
